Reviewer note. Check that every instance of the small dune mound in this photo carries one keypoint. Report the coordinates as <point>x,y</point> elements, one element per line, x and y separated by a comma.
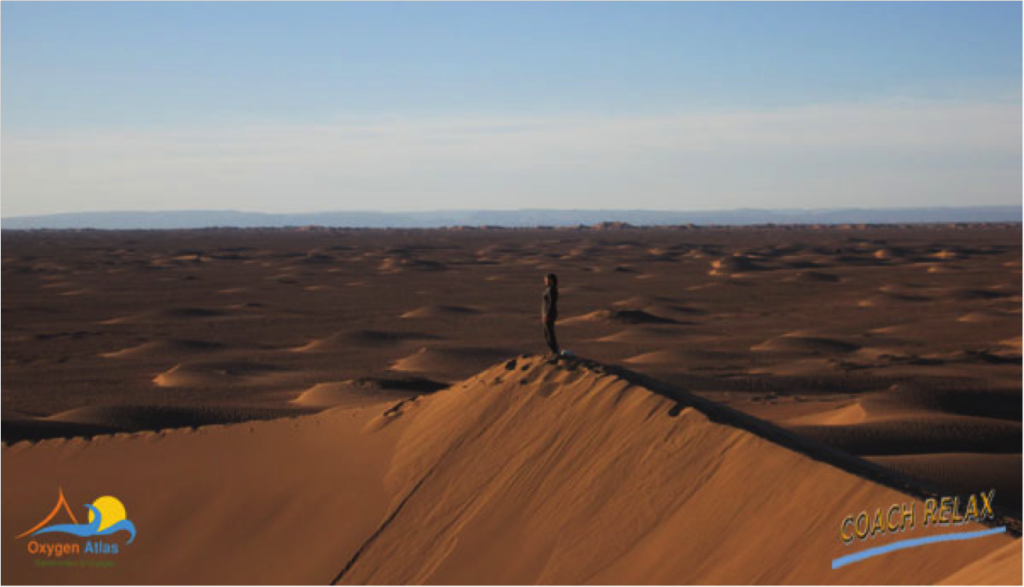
<point>660,357</point>
<point>124,319</point>
<point>963,473</point>
<point>641,301</point>
<point>158,348</point>
<point>361,338</point>
<point>883,353</point>
<point>58,284</point>
<point>660,254</point>
<point>448,360</point>
<point>316,258</point>
<point>903,254</point>
<point>872,302</point>
<point>664,310</point>
<point>736,264</point>
<point>584,251</point>
<point>919,435</point>
<point>815,368</point>
<point>796,343</point>
<point>903,294</point>
<point>971,294</point>
<point>191,313</point>
<point>217,374</point>
<point>621,317</point>
<point>496,250</point>
<point>946,254</point>
<point>399,264</point>
<point>804,261</point>
<point>986,316</point>
<point>839,416</point>
<point>643,334</point>
<point>173,314</point>
<point>136,418</point>
<point>364,391</point>
<point>814,277</point>
<point>1008,349</point>
<point>439,311</point>
<point>951,400</point>
<point>16,429</point>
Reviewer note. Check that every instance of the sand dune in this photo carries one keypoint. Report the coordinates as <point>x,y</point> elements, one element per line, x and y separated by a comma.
<point>923,405</point>
<point>191,313</point>
<point>999,403</point>
<point>902,372</point>
<point>664,356</point>
<point>364,391</point>
<point>438,311</point>
<point>844,416</point>
<point>982,316</point>
<point>968,294</point>
<point>204,374</point>
<point>805,344</point>
<point>399,264</point>
<point>133,418</point>
<point>621,317</point>
<point>642,301</point>
<point>735,265</point>
<point>27,428</point>
<point>918,435</point>
<point>944,268</point>
<point>904,294</point>
<point>949,254</point>
<point>91,421</point>
<point>986,570</point>
<point>529,472</point>
<point>448,360</point>
<point>814,277</point>
<point>802,368</point>
<point>345,339</point>
<point>1009,348</point>
<point>644,334</point>
<point>173,314</point>
<point>159,348</point>
<point>963,472</point>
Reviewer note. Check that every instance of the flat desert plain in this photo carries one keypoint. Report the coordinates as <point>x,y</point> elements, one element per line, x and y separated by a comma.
<point>373,406</point>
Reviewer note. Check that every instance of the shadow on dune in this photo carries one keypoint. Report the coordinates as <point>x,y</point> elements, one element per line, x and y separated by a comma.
<point>811,447</point>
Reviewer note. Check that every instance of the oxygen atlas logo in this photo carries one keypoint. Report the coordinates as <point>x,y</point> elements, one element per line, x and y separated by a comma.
<point>94,543</point>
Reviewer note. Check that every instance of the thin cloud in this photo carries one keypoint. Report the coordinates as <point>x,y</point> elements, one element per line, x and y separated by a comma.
<point>911,153</point>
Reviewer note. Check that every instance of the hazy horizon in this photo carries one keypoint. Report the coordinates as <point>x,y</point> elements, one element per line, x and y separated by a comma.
<point>511,218</point>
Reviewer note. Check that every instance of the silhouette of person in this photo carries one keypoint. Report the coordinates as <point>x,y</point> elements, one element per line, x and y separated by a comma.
<point>549,311</point>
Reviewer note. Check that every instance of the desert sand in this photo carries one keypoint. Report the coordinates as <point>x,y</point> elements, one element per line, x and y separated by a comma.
<point>366,406</point>
<point>533,471</point>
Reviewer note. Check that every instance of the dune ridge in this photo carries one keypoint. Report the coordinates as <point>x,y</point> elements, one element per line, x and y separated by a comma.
<point>532,471</point>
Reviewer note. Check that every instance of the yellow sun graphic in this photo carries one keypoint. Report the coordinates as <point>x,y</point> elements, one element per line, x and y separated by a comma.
<point>111,511</point>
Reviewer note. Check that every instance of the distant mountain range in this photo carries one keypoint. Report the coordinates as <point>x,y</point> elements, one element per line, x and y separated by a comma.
<point>506,218</point>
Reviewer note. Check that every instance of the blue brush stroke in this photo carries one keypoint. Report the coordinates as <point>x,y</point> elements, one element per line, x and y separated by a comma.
<point>852,558</point>
<point>92,528</point>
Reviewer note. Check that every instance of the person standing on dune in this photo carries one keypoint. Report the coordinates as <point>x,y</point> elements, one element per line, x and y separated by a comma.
<point>549,312</point>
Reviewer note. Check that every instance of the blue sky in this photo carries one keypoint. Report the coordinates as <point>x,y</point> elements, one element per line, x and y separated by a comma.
<point>329,106</point>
